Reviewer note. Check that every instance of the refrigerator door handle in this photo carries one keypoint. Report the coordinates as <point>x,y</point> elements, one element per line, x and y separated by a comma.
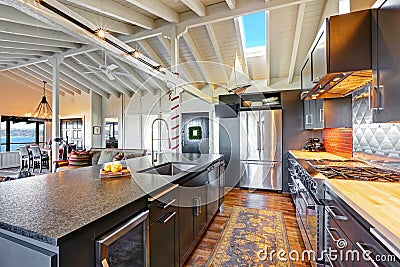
<point>262,135</point>
<point>258,136</point>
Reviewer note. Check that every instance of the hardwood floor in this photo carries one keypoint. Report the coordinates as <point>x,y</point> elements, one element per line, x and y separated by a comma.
<point>258,199</point>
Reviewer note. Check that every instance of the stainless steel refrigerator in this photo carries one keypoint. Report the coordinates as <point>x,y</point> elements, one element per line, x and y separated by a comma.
<point>261,149</point>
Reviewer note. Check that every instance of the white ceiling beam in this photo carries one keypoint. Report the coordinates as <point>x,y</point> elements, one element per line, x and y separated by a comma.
<point>268,46</point>
<point>32,31</point>
<point>8,62</point>
<point>127,89</point>
<point>157,8</point>
<point>29,47</point>
<point>25,82</point>
<point>10,51</point>
<point>40,12</point>
<point>116,11</point>
<point>77,77</point>
<point>167,46</point>
<point>196,54</point>
<point>296,41</point>
<point>68,53</point>
<point>197,6</point>
<point>16,56</point>
<point>242,54</point>
<point>215,13</point>
<point>46,66</point>
<point>72,65</point>
<point>32,79</point>
<point>106,23</point>
<point>231,4</point>
<point>8,37</point>
<point>153,55</point>
<point>217,50</point>
<point>46,78</point>
<point>11,14</point>
<point>83,59</point>
<point>134,76</point>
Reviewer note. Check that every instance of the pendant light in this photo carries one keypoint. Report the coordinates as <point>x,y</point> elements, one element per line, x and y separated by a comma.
<point>43,111</point>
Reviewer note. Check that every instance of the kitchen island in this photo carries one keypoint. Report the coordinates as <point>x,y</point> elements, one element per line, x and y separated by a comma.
<point>63,213</point>
<point>378,203</point>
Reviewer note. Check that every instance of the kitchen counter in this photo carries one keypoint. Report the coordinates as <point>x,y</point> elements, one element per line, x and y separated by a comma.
<point>299,154</point>
<point>377,202</point>
<point>51,207</point>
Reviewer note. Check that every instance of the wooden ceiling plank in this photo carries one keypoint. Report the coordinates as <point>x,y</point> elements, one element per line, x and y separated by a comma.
<point>197,6</point>
<point>296,41</point>
<point>116,11</point>
<point>157,8</point>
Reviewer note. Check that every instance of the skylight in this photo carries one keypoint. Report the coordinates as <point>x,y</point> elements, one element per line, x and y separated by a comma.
<point>254,34</point>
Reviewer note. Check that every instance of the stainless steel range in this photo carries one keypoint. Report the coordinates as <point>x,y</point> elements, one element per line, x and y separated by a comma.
<point>325,220</point>
<point>308,194</point>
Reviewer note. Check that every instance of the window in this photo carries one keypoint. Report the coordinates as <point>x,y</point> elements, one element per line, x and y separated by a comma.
<point>18,131</point>
<point>254,34</point>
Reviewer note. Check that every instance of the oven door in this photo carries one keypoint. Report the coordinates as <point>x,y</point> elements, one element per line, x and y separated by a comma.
<point>127,245</point>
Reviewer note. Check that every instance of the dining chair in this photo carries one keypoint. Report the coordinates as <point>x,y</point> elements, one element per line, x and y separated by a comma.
<point>40,159</point>
<point>24,158</point>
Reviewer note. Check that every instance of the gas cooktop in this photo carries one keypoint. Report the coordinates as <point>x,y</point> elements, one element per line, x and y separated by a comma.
<point>354,170</point>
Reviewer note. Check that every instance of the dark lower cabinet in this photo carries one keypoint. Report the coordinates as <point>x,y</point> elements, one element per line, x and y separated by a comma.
<point>164,231</point>
<point>164,245</point>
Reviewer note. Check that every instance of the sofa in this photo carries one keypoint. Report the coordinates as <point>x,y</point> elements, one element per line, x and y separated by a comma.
<point>96,156</point>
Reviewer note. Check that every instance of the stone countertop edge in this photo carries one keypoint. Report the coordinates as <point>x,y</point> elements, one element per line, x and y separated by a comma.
<point>381,229</point>
<point>23,216</point>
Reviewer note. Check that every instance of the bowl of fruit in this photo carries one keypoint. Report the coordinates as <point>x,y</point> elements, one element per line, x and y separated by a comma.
<point>114,170</point>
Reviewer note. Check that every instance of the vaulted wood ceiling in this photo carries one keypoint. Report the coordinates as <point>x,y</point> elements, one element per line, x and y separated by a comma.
<point>210,39</point>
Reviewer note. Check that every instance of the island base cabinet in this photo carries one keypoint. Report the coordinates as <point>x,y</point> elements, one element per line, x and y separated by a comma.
<point>14,253</point>
<point>164,245</point>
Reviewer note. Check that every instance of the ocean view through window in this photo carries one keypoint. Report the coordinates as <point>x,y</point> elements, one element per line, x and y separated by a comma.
<point>16,132</point>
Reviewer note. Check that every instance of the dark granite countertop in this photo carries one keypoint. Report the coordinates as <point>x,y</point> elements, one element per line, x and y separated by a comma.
<point>50,207</point>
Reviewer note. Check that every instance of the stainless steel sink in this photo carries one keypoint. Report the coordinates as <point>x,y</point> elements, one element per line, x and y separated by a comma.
<point>170,168</point>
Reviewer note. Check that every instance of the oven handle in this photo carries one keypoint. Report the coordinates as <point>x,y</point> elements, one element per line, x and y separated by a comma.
<point>335,216</point>
<point>310,206</point>
<point>341,242</point>
<point>365,252</point>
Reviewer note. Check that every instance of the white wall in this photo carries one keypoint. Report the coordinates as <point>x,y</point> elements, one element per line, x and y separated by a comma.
<point>17,99</point>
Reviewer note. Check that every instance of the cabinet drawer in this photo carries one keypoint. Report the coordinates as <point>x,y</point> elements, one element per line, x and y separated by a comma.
<point>161,203</point>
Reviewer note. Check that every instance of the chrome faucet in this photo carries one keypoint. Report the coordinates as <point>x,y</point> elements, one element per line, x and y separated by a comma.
<point>154,156</point>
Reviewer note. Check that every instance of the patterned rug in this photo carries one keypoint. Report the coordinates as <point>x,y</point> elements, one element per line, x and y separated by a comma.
<point>249,238</point>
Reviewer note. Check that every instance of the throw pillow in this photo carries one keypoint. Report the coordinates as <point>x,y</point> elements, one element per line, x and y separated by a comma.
<point>79,158</point>
<point>107,156</point>
<point>119,156</point>
<point>94,157</point>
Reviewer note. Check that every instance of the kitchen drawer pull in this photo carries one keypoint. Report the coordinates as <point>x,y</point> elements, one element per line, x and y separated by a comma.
<point>321,115</point>
<point>169,203</point>
<point>197,204</point>
<point>341,242</point>
<point>330,261</point>
<point>168,218</point>
<point>335,216</point>
<point>365,252</point>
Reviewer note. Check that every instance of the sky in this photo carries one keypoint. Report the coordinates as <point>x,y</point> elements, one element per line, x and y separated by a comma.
<point>254,30</point>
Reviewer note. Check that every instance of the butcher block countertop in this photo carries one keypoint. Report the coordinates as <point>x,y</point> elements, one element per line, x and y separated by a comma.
<point>299,154</point>
<point>377,202</point>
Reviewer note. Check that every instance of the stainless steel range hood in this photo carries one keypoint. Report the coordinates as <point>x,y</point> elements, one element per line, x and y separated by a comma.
<point>341,56</point>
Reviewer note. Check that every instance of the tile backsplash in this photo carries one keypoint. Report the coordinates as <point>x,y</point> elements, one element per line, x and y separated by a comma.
<point>338,141</point>
<point>381,139</point>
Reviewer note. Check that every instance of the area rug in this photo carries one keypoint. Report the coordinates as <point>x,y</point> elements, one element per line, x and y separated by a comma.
<point>250,238</point>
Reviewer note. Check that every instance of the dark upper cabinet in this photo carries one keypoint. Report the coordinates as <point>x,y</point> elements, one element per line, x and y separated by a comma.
<point>385,92</point>
<point>327,113</point>
<point>306,75</point>
<point>318,57</point>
